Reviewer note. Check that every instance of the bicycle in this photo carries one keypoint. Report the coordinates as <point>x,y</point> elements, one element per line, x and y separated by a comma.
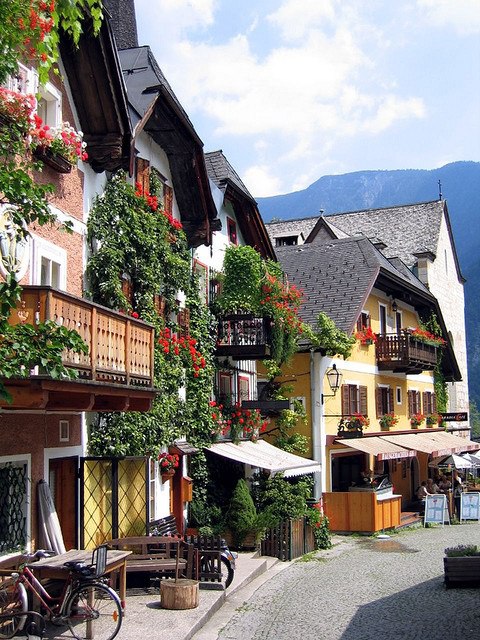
<point>87,605</point>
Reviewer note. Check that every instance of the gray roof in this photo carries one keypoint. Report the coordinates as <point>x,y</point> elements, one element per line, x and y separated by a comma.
<point>337,277</point>
<point>144,79</point>
<point>405,230</point>
<point>221,172</point>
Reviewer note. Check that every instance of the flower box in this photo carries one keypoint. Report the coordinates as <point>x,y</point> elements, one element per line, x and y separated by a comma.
<point>462,571</point>
<point>167,475</point>
<point>53,160</point>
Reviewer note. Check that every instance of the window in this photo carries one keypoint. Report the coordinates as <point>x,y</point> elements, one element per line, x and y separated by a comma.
<point>354,400</point>
<point>429,403</point>
<point>154,490</point>
<point>399,395</point>
<point>398,321</point>
<point>383,319</point>
<point>49,264</point>
<point>232,230</point>
<point>49,105</point>
<point>225,387</point>
<point>142,175</point>
<point>64,430</point>
<point>414,405</point>
<point>201,271</point>
<point>14,503</point>
<point>24,81</point>
<point>363,321</point>
<point>243,388</point>
<point>384,401</point>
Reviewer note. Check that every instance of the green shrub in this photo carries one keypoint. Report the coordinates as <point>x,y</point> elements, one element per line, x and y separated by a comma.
<point>242,515</point>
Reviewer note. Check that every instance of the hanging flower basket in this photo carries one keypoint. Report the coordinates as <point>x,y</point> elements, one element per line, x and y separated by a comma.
<point>168,462</point>
<point>52,159</point>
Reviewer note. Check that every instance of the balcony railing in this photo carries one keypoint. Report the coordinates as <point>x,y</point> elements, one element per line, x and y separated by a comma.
<point>244,337</point>
<point>120,348</point>
<point>404,353</point>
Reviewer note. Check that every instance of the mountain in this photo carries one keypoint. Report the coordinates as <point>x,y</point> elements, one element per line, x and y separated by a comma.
<point>460,185</point>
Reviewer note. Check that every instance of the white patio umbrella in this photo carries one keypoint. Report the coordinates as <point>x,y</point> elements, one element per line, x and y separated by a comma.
<point>453,461</point>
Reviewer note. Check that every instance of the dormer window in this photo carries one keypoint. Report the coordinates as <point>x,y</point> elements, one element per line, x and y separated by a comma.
<point>286,241</point>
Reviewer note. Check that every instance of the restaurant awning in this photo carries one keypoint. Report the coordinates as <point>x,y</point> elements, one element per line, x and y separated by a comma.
<point>378,447</point>
<point>263,455</point>
<point>437,443</point>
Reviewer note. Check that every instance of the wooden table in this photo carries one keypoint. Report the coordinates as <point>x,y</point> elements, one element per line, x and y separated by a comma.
<point>53,567</point>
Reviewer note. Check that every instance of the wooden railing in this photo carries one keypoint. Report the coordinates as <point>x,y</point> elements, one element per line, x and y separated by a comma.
<point>244,336</point>
<point>120,348</point>
<point>403,352</point>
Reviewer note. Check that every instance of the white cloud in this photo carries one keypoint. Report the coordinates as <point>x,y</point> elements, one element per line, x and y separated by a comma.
<point>164,21</point>
<point>461,15</point>
<point>260,181</point>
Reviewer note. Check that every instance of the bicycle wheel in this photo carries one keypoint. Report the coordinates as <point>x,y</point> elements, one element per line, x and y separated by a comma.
<point>13,601</point>
<point>94,611</point>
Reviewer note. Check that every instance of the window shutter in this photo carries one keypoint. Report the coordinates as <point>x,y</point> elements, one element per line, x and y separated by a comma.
<point>345,400</point>
<point>390,400</point>
<point>434,403</point>
<point>168,199</point>
<point>183,320</point>
<point>418,400</point>
<point>378,402</point>
<point>143,174</point>
<point>160,302</point>
<point>426,403</point>
<point>363,401</point>
<point>411,410</point>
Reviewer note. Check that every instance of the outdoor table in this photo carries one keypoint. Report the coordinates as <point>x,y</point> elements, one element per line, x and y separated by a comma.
<point>53,567</point>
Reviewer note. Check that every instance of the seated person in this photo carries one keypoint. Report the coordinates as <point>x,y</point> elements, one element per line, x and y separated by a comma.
<point>432,487</point>
<point>422,493</point>
<point>367,476</point>
<point>444,484</point>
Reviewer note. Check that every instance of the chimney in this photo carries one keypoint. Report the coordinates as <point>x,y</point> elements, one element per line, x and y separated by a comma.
<point>123,22</point>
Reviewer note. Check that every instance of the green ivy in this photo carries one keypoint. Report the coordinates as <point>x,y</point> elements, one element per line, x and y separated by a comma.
<point>154,253</point>
<point>328,337</point>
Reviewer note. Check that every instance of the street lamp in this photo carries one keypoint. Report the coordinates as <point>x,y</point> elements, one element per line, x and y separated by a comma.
<point>334,377</point>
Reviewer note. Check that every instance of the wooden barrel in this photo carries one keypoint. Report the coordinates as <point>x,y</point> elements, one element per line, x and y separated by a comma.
<point>182,594</point>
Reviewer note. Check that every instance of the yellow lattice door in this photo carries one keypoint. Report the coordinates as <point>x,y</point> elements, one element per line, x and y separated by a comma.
<point>97,502</point>
<point>132,497</point>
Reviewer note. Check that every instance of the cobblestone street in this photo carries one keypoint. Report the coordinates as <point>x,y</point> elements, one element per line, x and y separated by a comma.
<point>366,589</point>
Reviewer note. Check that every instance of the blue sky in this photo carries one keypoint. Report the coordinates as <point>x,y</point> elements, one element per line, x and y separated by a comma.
<point>292,90</point>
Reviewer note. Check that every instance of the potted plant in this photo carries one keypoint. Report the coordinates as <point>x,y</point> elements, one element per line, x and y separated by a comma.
<point>366,336</point>
<point>388,420</point>
<point>168,464</point>
<point>434,420</point>
<point>462,565</point>
<point>422,335</point>
<point>416,420</point>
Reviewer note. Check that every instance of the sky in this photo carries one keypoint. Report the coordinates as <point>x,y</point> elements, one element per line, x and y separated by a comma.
<point>292,90</point>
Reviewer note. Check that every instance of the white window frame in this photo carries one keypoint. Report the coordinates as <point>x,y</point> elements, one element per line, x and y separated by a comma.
<point>42,248</point>
<point>398,395</point>
<point>64,431</point>
<point>53,97</point>
<point>154,489</point>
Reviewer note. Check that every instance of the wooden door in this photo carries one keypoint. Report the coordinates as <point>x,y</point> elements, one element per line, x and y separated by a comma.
<point>63,485</point>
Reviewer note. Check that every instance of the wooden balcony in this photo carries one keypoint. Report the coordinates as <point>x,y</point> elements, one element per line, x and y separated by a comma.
<point>403,353</point>
<point>115,375</point>
<point>244,337</point>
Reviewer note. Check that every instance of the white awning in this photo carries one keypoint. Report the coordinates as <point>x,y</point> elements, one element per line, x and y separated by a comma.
<point>263,455</point>
<point>436,443</point>
<point>378,447</point>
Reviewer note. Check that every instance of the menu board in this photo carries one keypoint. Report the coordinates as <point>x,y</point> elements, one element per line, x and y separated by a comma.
<point>470,506</point>
<point>436,509</point>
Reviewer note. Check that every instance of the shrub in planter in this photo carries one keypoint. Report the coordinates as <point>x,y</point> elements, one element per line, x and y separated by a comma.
<point>241,515</point>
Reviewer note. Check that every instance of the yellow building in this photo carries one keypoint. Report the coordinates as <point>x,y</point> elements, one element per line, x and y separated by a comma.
<point>372,418</point>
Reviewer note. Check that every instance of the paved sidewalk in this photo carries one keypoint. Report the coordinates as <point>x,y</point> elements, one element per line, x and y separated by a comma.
<point>146,619</point>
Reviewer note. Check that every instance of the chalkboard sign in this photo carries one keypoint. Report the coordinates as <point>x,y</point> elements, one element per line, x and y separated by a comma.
<point>436,509</point>
<point>470,506</point>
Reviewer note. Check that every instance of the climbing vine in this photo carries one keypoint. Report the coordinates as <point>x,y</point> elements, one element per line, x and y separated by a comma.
<point>148,249</point>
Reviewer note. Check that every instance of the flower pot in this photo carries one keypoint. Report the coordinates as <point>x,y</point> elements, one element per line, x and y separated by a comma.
<point>53,160</point>
<point>167,475</point>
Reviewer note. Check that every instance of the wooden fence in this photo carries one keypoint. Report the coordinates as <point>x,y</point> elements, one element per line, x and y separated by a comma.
<point>288,540</point>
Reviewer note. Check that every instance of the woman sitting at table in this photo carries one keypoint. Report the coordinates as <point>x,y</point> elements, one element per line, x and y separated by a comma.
<point>432,487</point>
<point>444,484</point>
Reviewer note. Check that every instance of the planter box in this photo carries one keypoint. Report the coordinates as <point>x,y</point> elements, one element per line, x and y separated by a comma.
<point>463,571</point>
<point>53,160</point>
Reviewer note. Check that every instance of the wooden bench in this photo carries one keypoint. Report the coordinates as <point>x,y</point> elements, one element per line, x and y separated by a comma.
<point>208,547</point>
<point>158,554</point>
